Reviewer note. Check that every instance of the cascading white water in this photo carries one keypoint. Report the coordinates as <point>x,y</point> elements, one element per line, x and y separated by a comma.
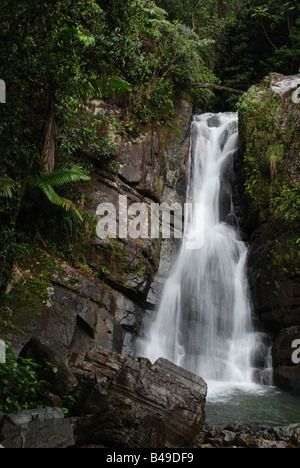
<point>203,322</point>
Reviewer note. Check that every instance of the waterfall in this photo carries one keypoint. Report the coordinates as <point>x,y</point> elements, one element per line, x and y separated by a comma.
<point>203,322</point>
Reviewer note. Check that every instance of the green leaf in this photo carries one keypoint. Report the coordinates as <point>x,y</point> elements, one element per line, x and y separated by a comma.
<point>97,88</point>
<point>7,187</point>
<point>60,175</point>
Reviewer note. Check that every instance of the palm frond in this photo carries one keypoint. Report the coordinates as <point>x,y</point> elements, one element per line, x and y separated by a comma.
<point>60,175</point>
<point>8,186</point>
<point>118,85</point>
<point>54,198</point>
<point>95,88</point>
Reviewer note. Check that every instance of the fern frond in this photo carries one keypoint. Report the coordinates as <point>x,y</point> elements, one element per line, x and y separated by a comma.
<point>68,205</point>
<point>54,198</point>
<point>60,175</point>
<point>7,187</point>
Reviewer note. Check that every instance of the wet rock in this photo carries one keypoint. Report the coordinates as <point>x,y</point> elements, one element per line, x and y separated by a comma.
<point>239,434</point>
<point>214,121</point>
<point>40,428</point>
<point>282,85</point>
<point>159,405</point>
<point>245,440</point>
<point>229,438</point>
<point>80,310</point>
<point>276,309</point>
<point>174,191</point>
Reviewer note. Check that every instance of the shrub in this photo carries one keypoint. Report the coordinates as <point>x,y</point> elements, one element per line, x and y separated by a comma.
<point>20,386</point>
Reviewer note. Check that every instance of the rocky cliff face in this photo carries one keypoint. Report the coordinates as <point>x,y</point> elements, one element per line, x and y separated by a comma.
<point>152,170</point>
<point>108,308</point>
<point>270,143</point>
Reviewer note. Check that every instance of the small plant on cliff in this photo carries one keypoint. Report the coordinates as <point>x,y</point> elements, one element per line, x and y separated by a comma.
<point>275,156</point>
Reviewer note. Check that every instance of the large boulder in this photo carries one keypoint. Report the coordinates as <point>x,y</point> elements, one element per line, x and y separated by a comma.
<point>132,403</point>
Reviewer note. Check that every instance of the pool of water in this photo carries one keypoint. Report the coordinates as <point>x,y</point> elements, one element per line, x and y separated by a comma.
<point>252,403</point>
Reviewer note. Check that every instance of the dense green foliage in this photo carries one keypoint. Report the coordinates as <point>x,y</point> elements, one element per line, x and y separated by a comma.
<point>271,165</point>
<point>263,38</point>
<point>266,147</point>
<point>54,57</point>
<point>20,384</point>
<point>250,38</point>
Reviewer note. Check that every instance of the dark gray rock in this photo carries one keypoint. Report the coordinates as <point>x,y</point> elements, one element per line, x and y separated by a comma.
<point>238,434</point>
<point>214,121</point>
<point>61,383</point>
<point>136,404</point>
<point>40,428</point>
<point>80,310</point>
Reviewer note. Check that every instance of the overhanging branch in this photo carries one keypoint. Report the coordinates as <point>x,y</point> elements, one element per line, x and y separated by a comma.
<point>218,88</point>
